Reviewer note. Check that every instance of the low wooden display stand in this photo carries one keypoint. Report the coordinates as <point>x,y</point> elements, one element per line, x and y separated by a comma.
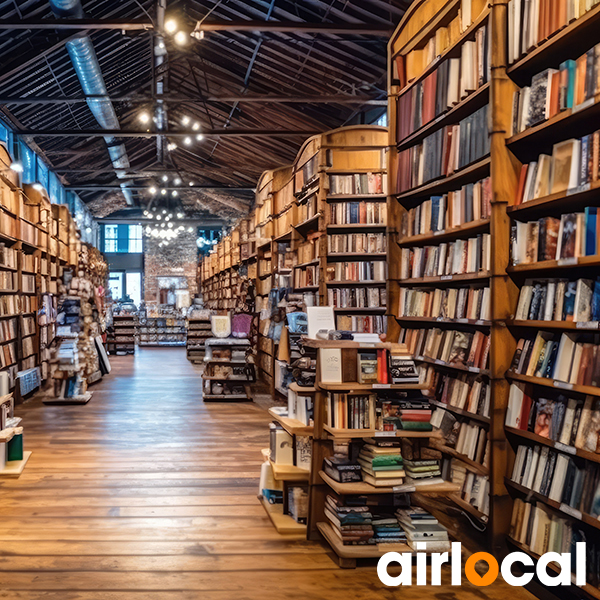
<point>14,468</point>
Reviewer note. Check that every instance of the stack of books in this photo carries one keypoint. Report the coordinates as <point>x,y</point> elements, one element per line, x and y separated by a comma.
<point>387,530</point>
<point>421,526</point>
<point>424,471</point>
<point>416,415</point>
<point>381,463</point>
<point>352,524</point>
<point>342,469</point>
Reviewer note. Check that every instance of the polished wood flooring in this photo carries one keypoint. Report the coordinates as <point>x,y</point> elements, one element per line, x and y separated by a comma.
<point>148,493</point>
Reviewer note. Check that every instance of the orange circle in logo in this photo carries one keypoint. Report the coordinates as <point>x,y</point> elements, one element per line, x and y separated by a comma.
<point>472,574</point>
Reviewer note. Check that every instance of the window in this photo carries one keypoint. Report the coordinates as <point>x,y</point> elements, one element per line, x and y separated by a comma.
<point>382,121</point>
<point>123,238</point>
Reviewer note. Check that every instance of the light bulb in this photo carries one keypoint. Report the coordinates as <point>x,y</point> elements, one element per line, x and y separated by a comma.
<point>187,141</point>
<point>170,224</point>
<point>196,126</point>
<point>180,215</point>
<point>190,229</point>
<point>171,146</point>
<point>38,187</point>
<point>185,120</point>
<point>152,190</point>
<point>164,212</point>
<point>163,192</point>
<point>171,26</point>
<point>174,193</point>
<point>165,178</point>
<point>158,217</point>
<point>17,167</point>
<point>199,137</point>
<point>181,38</point>
<point>144,117</point>
<point>177,181</point>
<point>170,215</point>
<point>191,184</point>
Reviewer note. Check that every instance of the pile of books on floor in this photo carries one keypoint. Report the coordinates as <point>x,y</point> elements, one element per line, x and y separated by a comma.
<point>420,526</point>
<point>381,462</point>
<point>352,524</point>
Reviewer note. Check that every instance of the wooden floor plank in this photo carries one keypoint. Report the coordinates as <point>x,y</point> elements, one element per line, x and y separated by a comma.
<point>147,493</point>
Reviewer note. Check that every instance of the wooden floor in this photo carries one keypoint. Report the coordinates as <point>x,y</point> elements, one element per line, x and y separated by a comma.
<point>148,493</point>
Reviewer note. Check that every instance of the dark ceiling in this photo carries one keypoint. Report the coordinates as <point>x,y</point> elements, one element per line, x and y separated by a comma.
<point>215,74</point>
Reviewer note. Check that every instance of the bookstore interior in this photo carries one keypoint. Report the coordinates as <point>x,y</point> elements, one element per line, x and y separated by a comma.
<point>286,287</point>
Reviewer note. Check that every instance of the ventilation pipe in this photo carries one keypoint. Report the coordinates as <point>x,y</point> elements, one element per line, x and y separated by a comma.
<point>86,65</point>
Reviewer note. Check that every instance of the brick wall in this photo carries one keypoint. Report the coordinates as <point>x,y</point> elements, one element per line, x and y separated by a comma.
<point>178,259</point>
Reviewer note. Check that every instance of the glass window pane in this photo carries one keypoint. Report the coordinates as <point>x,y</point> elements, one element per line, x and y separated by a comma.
<point>135,238</point>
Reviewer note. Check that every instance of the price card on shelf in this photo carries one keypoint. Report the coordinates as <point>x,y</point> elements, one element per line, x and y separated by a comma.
<point>441,232</point>
<point>366,345</point>
<point>588,325</point>
<point>439,362</point>
<point>568,262</point>
<point>446,278</point>
<point>382,386</point>
<point>462,320</point>
<point>565,448</point>
<point>563,385</point>
<point>385,434</point>
<point>569,510</point>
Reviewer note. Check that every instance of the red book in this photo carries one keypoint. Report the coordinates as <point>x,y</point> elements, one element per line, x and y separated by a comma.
<point>521,188</point>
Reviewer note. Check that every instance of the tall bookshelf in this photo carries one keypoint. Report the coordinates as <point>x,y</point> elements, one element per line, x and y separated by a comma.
<point>427,45</point>
<point>558,43</point>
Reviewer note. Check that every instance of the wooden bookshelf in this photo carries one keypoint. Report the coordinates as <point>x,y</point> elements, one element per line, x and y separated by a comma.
<point>284,524</point>
<point>553,383</point>
<point>503,169</point>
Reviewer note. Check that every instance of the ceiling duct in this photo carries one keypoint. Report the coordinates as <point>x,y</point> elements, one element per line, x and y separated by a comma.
<point>85,62</point>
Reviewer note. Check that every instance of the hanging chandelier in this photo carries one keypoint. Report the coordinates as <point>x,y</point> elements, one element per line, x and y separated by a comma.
<point>166,216</point>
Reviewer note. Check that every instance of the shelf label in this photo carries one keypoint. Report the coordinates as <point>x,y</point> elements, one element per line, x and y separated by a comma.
<point>439,362</point>
<point>382,386</point>
<point>446,278</point>
<point>385,434</point>
<point>565,448</point>
<point>563,385</point>
<point>366,345</point>
<point>441,232</point>
<point>588,325</point>
<point>566,262</point>
<point>462,320</point>
<point>474,370</point>
<point>569,510</point>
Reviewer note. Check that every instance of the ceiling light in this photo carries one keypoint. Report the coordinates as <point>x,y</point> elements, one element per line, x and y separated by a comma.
<point>158,217</point>
<point>191,184</point>
<point>165,178</point>
<point>170,215</point>
<point>171,26</point>
<point>88,229</point>
<point>185,120</point>
<point>196,126</point>
<point>174,193</point>
<point>152,190</point>
<point>181,38</point>
<point>190,229</point>
<point>161,45</point>
<point>177,181</point>
<point>199,137</point>
<point>180,215</point>
<point>198,33</point>
<point>164,212</point>
<point>171,146</point>
<point>170,224</point>
<point>144,117</point>
<point>163,192</point>
<point>187,141</point>
<point>17,167</point>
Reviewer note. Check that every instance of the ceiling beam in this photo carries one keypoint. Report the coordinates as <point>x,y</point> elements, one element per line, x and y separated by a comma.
<point>296,27</point>
<point>120,133</point>
<point>77,24</point>
<point>179,188</point>
<point>315,99</point>
<point>264,26</point>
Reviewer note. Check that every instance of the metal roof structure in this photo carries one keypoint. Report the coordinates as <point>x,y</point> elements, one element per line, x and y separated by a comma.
<point>262,76</point>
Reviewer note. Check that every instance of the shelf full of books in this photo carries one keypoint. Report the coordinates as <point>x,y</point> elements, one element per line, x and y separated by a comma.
<point>444,227</point>
<point>552,414</point>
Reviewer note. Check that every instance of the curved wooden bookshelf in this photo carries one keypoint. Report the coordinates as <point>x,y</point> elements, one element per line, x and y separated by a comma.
<point>553,383</point>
